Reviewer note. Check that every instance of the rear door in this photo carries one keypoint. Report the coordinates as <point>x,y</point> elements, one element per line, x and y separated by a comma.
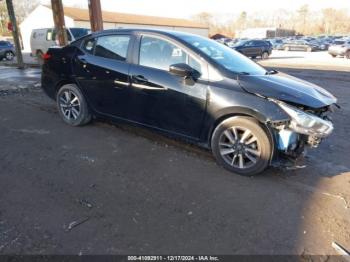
<point>101,68</point>
<point>161,99</point>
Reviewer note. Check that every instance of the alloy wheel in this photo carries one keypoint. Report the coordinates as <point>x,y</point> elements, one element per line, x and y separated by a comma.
<point>239,147</point>
<point>69,105</point>
<point>9,55</point>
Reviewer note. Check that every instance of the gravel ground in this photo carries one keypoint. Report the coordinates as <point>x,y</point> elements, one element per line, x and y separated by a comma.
<point>116,189</point>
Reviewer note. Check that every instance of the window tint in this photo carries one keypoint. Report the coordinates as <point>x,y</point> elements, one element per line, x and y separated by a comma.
<point>258,43</point>
<point>88,46</point>
<point>249,43</point>
<point>3,43</point>
<point>161,54</point>
<point>113,47</point>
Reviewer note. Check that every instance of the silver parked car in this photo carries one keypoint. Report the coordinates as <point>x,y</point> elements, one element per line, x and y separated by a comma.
<point>340,48</point>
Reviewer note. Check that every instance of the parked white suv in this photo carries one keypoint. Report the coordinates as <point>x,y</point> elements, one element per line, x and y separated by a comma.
<point>340,48</point>
<point>42,39</point>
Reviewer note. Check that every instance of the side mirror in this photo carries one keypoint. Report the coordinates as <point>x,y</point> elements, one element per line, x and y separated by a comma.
<point>183,70</point>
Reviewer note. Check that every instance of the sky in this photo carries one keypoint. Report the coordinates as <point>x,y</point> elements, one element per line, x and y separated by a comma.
<point>188,8</point>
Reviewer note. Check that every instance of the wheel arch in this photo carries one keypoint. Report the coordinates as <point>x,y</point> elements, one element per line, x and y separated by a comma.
<point>245,112</point>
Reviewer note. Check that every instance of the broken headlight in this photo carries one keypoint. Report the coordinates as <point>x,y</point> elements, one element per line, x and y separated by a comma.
<point>305,123</point>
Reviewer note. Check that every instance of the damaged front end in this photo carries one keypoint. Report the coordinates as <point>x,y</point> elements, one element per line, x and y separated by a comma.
<point>306,128</point>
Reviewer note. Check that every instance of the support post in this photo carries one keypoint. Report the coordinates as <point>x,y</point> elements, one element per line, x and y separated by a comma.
<point>15,33</point>
<point>58,18</point>
<point>95,15</point>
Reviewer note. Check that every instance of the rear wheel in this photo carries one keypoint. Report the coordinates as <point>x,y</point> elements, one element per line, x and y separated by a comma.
<point>72,106</point>
<point>333,56</point>
<point>265,55</point>
<point>241,145</point>
<point>9,56</point>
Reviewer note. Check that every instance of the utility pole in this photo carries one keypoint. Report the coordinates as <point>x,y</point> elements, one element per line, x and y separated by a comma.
<point>58,18</point>
<point>15,33</point>
<point>95,15</point>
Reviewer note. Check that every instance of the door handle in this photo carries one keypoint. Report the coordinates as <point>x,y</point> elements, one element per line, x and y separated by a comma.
<point>139,78</point>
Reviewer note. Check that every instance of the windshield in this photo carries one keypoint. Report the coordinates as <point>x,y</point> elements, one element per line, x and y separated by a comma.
<point>225,56</point>
<point>79,32</point>
<point>339,42</point>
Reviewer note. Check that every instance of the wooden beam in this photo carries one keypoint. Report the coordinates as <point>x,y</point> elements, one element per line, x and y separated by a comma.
<point>15,33</point>
<point>95,12</point>
<point>58,18</point>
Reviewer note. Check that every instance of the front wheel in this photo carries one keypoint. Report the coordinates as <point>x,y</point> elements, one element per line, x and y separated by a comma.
<point>9,56</point>
<point>241,145</point>
<point>72,106</point>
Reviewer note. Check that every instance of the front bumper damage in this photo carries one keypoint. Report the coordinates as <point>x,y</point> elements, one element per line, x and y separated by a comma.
<point>293,140</point>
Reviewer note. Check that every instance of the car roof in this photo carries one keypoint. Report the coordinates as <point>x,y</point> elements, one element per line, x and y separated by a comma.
<point>143,30</point>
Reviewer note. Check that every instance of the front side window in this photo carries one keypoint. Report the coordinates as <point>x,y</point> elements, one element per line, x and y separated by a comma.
<point>112,47</point>
<point>161,54</point>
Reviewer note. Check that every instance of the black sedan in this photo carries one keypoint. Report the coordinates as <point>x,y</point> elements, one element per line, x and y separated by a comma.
<point>189,86</point>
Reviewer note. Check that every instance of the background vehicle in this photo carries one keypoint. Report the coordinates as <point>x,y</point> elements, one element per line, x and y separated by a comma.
<point>42,39</point>
<point>300,45</point>
<point>7,50</point>
<point>254,48</point>
<point>189,86</point>
<point>340,48</point>
<point>277,44</point>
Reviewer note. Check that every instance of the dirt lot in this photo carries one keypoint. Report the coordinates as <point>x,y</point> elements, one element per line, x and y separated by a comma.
<point>115,189</point>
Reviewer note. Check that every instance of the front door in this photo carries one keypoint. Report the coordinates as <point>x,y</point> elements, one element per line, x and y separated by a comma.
<point>161,99</point>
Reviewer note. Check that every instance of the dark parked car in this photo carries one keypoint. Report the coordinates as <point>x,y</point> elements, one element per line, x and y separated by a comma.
<point>189,86</point>
<point>7,50</point>
<point>254,48</point>
<point>277,44</point>
<point>300,45</point>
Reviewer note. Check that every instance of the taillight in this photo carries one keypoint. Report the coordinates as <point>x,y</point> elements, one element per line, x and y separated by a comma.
<point>46,56</point>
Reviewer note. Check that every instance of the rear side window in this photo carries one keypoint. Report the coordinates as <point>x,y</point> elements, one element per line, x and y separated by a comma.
<point>112,47</point>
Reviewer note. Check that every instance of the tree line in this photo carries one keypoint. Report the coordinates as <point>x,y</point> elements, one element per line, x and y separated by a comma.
<point>329,21</point>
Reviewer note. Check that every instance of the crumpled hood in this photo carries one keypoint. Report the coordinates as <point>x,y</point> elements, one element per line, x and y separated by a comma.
<point>286,88</point>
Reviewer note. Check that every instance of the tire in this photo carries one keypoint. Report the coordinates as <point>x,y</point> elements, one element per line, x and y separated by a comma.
<point>347,54</point>
<point>264,55</point>
<point>9,56</point>
<point>72,106</point>
<point>39,57</point>
<point>248,158</point>
<point>334,56</point>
